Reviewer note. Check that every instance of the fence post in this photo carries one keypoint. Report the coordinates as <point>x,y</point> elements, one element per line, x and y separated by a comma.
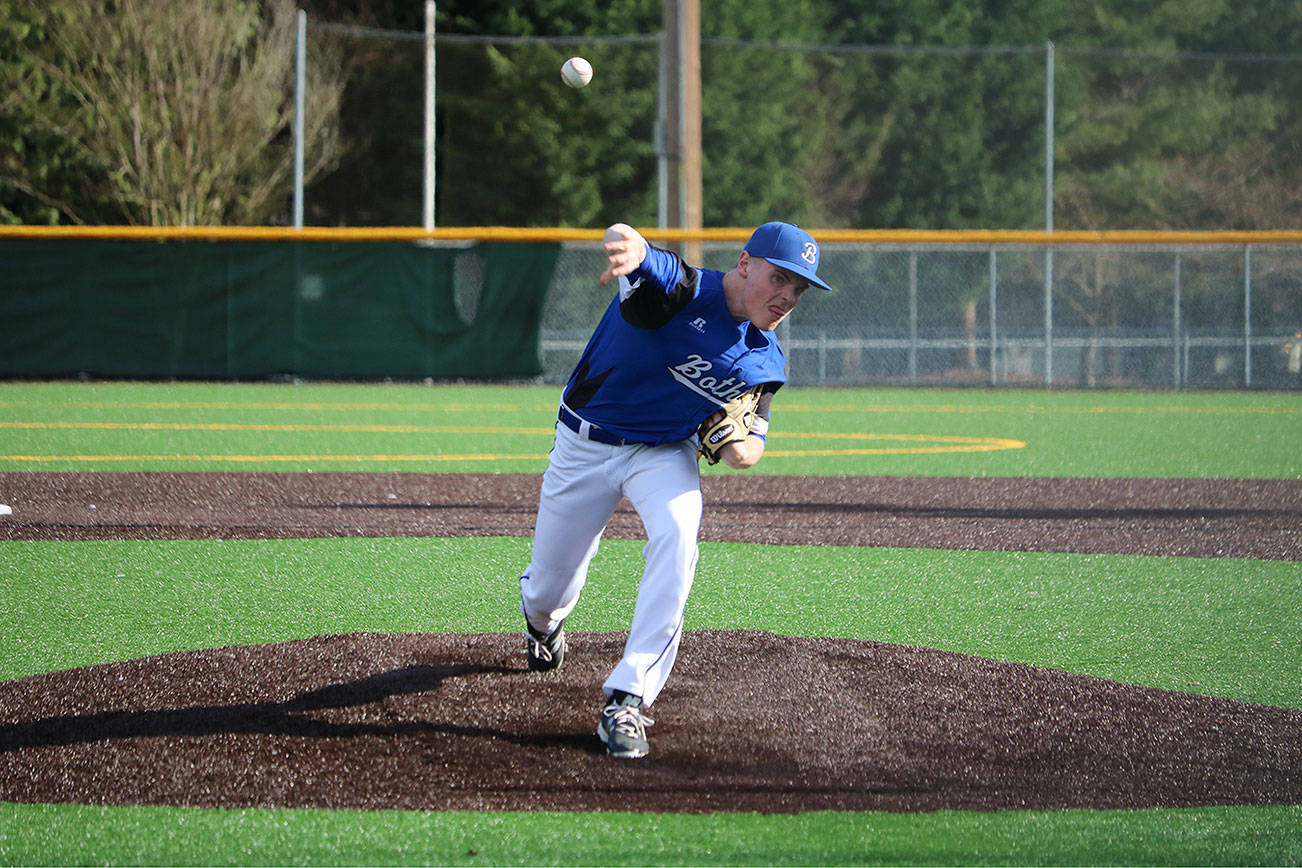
<point>1185,358</point>
<point>1048,317</point>
<point>1049,74</point>
<point>300,84</point>
<point>913,317</point>
<point>994,303</point>
<point>430,78</point>
<point>662,128</point>
<point>1247,316</point>
<point>1175,322</point>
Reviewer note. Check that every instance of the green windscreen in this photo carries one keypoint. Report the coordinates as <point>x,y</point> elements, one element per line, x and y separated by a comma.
<point>225,310</point>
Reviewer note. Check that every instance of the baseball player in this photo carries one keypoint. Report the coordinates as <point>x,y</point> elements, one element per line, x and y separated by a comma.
<point>684,363</point>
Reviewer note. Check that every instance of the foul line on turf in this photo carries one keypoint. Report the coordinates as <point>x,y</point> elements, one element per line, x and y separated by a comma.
<point>350,407</point>
<point>941,444</point>
<point>265,458</point>
<point>239,426</point>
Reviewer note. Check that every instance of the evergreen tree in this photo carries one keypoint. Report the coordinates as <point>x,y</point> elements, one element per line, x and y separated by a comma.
<point>896,113</point>
<point>515,145</point>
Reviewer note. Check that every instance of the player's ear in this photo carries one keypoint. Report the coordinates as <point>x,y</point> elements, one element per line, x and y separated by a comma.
<point>743,263</point>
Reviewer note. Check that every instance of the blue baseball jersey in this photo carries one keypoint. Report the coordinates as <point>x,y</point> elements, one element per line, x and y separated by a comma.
<point>668,353</point>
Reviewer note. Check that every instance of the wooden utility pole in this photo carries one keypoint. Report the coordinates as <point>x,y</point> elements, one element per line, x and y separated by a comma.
<point>682,121</point>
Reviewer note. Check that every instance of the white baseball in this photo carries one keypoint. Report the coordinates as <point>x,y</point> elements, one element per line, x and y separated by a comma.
<point>576,72</point>
<point>5,509</point>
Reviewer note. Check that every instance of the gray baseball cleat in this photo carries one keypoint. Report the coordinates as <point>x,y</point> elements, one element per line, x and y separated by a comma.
<point>623,727</point>
<point>544,653</point>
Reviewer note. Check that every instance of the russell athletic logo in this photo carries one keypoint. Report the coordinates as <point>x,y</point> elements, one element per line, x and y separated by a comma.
<point>698,324</point>
<point>693,374</point>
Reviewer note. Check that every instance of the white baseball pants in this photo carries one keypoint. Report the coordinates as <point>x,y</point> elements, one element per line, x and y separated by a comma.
<point>581,487</point>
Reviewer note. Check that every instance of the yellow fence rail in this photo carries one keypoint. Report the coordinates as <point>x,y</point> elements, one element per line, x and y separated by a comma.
<point>562,234</point>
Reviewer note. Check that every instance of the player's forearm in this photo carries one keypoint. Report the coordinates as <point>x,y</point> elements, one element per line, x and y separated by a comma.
<point>660,268</point>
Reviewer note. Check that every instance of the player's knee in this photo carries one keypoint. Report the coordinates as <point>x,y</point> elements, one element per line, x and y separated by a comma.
<point>676,547</point>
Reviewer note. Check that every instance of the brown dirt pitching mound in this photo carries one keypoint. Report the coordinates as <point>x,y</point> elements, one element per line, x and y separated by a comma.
<point>750,722</point>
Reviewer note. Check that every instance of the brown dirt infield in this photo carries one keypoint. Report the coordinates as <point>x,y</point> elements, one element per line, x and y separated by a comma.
<point>1249,518</point>
<point>749,722</point>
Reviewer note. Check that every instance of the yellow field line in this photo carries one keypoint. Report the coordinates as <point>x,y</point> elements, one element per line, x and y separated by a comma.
<point>950,444</point>
<point>273,459</point>
<point>276,405</point>
<point>964,444</point>
<point>944,443</point>
<point>435,407</point>
<point>265,458</point>
<point>900,450</point>
<point>240,426</point>
<point>409,429</point>
<point>1033,409</point>
<point>992,442</point>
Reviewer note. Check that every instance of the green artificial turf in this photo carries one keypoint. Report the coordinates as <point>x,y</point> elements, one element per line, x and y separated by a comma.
<point>435,429</point>
<point>1222,627</point>
<point>88,835</point>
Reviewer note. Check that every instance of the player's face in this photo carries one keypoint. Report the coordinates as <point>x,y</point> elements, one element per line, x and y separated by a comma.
<point>769,293</point>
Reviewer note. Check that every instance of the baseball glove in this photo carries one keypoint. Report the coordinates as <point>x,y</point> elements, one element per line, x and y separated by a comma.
<point>734,426</point>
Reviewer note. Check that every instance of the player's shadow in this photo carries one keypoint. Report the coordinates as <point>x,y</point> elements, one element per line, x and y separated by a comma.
<point>1029,513</point>
<point>400,505</point>
<point>292,717</point>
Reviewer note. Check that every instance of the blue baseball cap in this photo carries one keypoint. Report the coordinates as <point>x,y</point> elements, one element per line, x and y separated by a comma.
<point>788,246</point>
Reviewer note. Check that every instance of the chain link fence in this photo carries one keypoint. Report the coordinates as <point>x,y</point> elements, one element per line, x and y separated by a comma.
<point>1031,136</point>
<point>1181,316</point>
<point>949,136</point>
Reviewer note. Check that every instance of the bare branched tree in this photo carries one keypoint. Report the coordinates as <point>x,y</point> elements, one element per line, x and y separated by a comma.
<point>188,108</point>
<point>1256,183</point>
